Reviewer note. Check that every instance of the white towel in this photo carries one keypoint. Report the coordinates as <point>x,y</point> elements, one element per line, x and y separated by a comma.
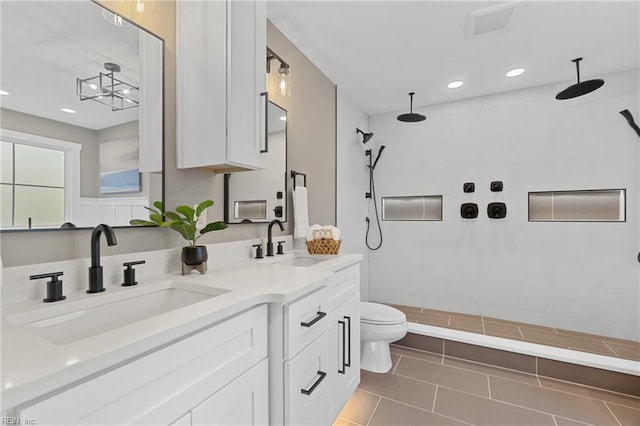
<point>300,212</point>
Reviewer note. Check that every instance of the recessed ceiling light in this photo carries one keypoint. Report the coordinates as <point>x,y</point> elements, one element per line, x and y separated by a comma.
<point>283,118</point>
<point>68,110</point>
<point>455,84</point>
<point>515,72</point>
<point>4,93</point>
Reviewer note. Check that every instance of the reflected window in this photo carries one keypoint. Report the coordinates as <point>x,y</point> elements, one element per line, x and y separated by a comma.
<point>33,188</point>
<point>423,207</point>
<point>608,205</point>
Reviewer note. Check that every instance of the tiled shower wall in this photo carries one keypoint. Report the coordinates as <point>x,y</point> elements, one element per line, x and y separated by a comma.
<point>576,276</point>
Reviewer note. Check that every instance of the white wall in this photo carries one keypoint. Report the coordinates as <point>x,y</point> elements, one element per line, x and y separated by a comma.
<point>578,276</point>
<point>352,178</point>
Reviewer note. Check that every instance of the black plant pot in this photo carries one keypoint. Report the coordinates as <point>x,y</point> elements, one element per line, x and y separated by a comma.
<point>194,258</point>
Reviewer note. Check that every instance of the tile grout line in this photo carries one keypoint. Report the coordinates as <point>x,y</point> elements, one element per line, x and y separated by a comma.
<point>610,348</point>
<point>611,411</point>
<point>397,364</point>
<point>566,393</point>
<point>418,408</point>
<point>554,420</point>
<point>506,403</point>
<point>489,386</point>
<point>435,396</point>
<point>521,334</point>
<point>484,332</point>
<point>373,411</point>
<point>349,421</point>
<point>580,385</point>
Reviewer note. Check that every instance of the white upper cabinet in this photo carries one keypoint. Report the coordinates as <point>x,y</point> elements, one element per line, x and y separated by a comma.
<point>221,64</point>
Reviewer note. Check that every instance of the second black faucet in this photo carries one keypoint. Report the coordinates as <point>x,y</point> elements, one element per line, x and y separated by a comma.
<point>269,235</point>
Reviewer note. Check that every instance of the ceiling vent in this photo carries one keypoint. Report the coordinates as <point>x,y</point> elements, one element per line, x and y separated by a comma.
<point>490,19</point>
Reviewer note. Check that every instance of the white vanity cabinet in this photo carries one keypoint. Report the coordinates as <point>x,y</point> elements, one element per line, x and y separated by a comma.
<point>221,84</point>
<point>218,375</point>
<point>320,356</point>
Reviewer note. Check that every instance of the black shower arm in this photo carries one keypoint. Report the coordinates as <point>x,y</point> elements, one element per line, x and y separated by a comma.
<point>627,115</point>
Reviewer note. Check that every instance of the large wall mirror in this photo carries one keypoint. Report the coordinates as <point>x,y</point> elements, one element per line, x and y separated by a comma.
<point>261,196</point>
<point>81,116</point>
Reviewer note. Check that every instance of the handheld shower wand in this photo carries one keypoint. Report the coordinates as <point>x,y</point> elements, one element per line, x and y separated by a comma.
<point>372,195</point>
<point>382,147</point>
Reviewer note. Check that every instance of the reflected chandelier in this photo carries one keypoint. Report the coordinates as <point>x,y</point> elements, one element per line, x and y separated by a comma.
<point>106,89</point>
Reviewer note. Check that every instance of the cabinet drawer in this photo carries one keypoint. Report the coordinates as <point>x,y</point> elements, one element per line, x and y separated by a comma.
<point>245,401</point>
<point>305,320</point>
<point>343,286</point>
<point>309,381</point>
<point>160,387</point>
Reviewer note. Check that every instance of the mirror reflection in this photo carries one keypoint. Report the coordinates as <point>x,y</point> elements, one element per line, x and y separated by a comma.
<point>81,116</point>
<point>260,196</point>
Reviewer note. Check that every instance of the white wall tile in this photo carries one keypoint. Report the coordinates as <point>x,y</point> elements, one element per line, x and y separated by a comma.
<point>569,274</point>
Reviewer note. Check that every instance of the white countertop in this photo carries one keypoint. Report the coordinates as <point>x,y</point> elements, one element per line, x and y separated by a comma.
<point>33,366</point>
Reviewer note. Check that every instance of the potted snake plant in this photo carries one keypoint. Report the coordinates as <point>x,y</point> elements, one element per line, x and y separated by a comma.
<point>184,221</point>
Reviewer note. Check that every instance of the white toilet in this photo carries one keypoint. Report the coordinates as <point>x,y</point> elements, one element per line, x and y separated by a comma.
<point>379,326</point>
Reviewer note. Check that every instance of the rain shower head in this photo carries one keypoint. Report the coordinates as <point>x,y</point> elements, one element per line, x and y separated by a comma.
<point>366,137</point>
<point>411,117</point>
<point>581,87</point>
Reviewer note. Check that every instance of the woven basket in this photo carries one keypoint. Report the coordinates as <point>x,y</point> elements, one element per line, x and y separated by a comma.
<point>323,246</point>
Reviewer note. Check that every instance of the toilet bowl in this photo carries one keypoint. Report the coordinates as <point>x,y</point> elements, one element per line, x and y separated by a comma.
<point>379,326</point>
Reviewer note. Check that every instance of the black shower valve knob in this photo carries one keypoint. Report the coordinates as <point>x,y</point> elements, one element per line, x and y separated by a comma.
<point>468,187</point>
<point>496,186</point>
<point>469,210</point>
<point>497,210</point>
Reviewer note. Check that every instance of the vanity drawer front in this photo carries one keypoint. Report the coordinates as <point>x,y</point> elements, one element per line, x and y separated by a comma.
<point>309,381</point>
<point>161,387</point>
<point>344,285</point>
<point>305,320</point>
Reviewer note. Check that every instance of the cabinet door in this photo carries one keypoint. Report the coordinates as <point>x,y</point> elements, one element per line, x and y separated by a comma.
<point>309,382</point>
<point>243,148</point>
<point>347,319</point>
<point>201,83</point>
<point>245,401</point>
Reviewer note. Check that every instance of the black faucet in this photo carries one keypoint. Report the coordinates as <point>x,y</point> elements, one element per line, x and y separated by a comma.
<point>269,238</point>
<point>95,270</point>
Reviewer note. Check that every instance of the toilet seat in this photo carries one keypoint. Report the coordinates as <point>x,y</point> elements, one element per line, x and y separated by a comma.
<point>376,313</point>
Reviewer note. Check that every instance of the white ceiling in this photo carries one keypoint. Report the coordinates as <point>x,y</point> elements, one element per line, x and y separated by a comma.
<point>378,51</point>
<point>46,45</point>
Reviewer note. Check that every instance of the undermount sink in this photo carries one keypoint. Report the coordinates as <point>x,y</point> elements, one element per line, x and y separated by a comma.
<point>303,260</point>
<point>76,320</point>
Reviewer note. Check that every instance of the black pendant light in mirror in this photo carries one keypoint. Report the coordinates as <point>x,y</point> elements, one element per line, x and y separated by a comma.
<point>411,117</point>
<point>581,87</point>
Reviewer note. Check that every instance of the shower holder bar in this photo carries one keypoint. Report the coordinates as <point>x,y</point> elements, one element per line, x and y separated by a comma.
<point>294,174</point>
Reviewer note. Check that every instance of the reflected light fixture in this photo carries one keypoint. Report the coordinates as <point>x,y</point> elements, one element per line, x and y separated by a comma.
<point>115,20</point>
<point>4,93</point>
<point>145,5</point>
<point>108,90</point>
<point>455,84</point>
<point>283,85</point>
<point>68,110</point>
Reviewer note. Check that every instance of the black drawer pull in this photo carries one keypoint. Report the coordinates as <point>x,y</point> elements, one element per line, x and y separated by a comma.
<point>315,320</point>
<point>313,387</point>
<point>348,363</point>
<point>343,370</point>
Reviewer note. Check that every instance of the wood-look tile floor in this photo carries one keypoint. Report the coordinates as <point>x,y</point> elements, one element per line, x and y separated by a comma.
<point>525,332</point>
<point>423,388</point>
